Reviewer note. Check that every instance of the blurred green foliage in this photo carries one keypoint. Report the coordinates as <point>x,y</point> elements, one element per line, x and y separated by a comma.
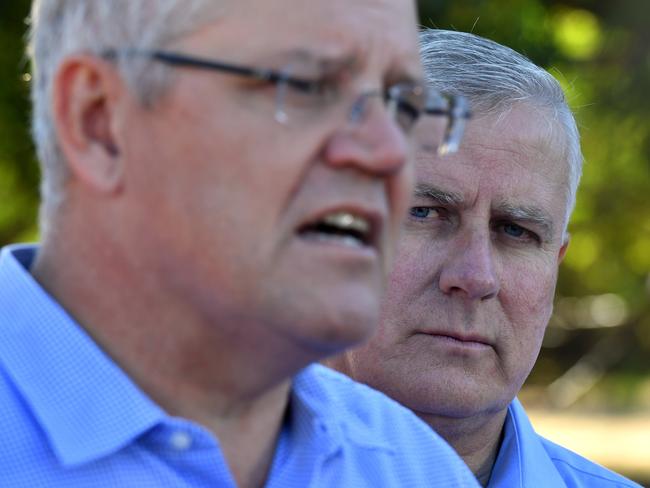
<point>18,168</point>
<point>600,53</point>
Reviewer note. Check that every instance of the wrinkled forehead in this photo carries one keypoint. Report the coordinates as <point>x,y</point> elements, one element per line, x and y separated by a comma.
<point>524,133</point>
<point>515,158</point>
<point>368,30</point>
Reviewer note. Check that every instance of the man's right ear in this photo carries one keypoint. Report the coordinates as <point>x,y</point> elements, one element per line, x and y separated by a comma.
<point>86,95</point>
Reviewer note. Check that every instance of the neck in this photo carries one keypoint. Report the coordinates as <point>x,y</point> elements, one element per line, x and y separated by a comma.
<point>190,364</point>
<point>476,439</point>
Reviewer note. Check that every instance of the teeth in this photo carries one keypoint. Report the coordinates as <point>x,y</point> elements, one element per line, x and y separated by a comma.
<point>348,221</point>
<point>342,227</point>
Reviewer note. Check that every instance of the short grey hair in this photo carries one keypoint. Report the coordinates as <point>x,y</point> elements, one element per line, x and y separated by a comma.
<point>60,28</point>
<point>494,78</point>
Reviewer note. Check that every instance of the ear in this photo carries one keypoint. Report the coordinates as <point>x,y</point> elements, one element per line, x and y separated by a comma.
<point>86,95</point>
<point>564,247</point>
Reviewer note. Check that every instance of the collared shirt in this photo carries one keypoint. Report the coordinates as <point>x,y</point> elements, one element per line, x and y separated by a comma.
<point>70,417</point>
<point>526,459</point>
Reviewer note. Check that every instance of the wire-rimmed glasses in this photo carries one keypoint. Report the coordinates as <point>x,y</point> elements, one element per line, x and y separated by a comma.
<point>298,98</point>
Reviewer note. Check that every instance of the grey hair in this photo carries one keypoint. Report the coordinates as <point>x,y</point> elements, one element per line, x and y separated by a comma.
<point>60,28</point>
<point>494,78</point>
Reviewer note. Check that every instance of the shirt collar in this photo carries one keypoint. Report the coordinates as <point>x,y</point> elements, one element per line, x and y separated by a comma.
<point>86,405</point>
<point>522,460</point>
<point>318,391</point>
<point>308,412</point>
<point>323,420</point>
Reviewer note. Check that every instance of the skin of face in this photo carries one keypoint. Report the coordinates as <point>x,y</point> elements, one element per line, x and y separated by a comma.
<point>472,289</point>
<point>216,190</point>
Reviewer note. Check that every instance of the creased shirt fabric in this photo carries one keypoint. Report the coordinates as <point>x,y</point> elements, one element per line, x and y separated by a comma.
<point>70,417</point>
<point>527,459</point>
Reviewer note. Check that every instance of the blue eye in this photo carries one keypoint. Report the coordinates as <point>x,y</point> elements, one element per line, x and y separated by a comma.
<point>420,212</point>
<point>514,230</point>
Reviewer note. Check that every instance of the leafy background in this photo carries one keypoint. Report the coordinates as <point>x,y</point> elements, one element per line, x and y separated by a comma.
<point>596,354</point>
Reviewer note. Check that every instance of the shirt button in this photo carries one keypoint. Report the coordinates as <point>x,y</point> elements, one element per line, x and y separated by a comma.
<point>180,441</point>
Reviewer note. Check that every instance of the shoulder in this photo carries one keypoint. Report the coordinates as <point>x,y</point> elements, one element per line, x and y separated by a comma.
<point>573,469</point>
<point>366,410</point>
<point>581,471</point>
<point>379,432</point>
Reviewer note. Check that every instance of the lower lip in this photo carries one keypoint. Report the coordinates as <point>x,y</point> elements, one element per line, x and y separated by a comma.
<point>340,247</point>
<point>447,341</point>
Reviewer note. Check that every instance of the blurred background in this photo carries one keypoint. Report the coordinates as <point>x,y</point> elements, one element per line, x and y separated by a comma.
<point>590,389</point>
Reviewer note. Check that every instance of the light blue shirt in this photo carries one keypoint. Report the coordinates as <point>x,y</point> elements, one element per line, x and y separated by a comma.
<point>70,417</point>
<point>526,460</point>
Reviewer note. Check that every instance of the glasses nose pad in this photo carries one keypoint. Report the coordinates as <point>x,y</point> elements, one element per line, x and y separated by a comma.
<point>459,113</point>
<point>280,114</point>
<point>451,140</point>
<point>281,89</point>
<point>359,109</point>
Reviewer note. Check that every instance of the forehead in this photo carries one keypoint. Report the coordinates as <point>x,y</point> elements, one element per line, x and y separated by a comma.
<point>371,30</point>
<point>516,157</point>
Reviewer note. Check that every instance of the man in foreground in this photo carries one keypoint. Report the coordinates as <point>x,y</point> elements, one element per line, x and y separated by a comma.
<point>223,186</point>
<point>472,290</point>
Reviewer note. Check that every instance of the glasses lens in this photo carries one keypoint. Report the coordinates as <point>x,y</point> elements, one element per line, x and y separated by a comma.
<point>303,94</point>
<point>441,130</point>
<point>432,121</point>
<point>405,103</point>
<point>431,129</point>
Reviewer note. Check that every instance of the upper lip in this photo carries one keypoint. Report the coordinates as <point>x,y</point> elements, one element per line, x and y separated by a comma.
<point>367,220</point>
<point>459,336</point>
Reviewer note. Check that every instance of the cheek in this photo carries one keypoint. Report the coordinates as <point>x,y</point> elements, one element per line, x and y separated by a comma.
<point>406,274</point>
<point>379,362</point>
<point>537,288</point>
<point>399,190</point>
<point>527,298</point>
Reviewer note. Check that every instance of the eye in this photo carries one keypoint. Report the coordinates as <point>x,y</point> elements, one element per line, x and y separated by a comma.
<point>304,85</point>
<point>423,212</point>
<point>324,88</point>
<point>518,233</point>
<point>514,230</point>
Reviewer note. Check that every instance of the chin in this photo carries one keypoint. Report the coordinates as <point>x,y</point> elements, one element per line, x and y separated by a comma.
<point>467,403</point>
<point>352,329</point>
<point>323,320</point>
<point>333,333</point>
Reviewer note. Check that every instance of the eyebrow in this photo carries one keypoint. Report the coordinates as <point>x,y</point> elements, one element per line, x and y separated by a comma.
<point>423,190</point>
<point>328,61</point>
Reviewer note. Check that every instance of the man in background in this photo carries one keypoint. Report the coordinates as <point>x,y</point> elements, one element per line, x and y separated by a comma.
<point>223,183</point>
<point>472,290</point>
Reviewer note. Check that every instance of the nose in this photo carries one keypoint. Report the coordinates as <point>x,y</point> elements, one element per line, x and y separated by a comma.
<point>471,270</point>
<point>371,140</point>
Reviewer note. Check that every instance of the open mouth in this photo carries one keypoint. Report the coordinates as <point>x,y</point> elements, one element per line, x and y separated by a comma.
<point>342,227</point>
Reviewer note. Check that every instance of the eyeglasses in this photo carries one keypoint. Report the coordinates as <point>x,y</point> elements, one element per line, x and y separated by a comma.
<point>299,99</point>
